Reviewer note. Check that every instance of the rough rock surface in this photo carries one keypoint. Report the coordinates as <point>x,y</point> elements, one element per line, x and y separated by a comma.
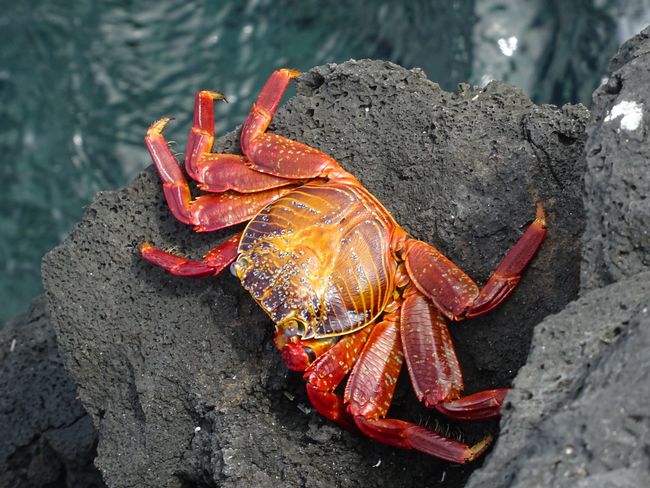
<point>578,413</point>
<point>47,438</point>
<point>617,193</point>
<point>180,376</point>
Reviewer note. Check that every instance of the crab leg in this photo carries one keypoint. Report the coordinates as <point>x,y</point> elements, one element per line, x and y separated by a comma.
<point>477,406</point>
<point>207,212</point>
<point>372,382</point>
<point>223,172</point>
<point>407,435</point>
<point>455,293</point>
<point>219,172</point>
<point>325,374</point>
<point>213,263</point>
<point>433,367</point>
<point>369,392</point>
<point>277,155</point>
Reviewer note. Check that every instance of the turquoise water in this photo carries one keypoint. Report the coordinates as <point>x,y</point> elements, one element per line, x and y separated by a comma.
<point>79,83</point>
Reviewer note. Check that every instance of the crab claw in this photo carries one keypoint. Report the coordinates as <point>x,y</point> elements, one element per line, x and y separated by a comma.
<point>297,357</point>
<point>299,354</point>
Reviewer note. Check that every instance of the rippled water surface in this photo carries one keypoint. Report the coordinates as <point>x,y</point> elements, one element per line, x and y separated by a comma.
<point>80,82</point>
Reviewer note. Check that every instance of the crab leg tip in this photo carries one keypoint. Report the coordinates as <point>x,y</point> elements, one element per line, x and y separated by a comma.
<point>292,73</point>
<point>215,95</point>
<point>479,448</point>
<point>540,215</point>
<point>158,126</point>
<point>144,247</point>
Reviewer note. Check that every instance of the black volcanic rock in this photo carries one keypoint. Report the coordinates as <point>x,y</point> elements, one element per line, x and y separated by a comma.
<point>47,439</point>
<point>180,376</point>
<point>617,193</point>
<point>578,414</point>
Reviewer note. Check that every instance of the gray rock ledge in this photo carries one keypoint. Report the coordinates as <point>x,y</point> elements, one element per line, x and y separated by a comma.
<point>47,438</point>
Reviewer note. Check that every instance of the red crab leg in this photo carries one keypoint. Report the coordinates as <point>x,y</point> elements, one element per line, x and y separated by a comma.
<point>207,212</point>
<point>326,373</point>
<point>477,406</point>
<point>219,172</point>
<point>430,356</point>
<point>372,382</point>
<point>215,261</point>
<point>369,392</point>
<point>274,154</point>
<point>223,172</point>
<point>455,293</point>
<point>216,211</point>
<point>407,435</point>
<point>433,367</point>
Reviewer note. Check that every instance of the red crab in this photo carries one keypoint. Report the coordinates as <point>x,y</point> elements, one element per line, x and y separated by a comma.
<point>351,294</point>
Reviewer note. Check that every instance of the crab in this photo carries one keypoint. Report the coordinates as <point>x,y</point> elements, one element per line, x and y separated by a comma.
<point>351,294</point>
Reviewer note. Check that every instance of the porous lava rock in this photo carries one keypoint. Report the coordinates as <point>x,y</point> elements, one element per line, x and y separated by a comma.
<point>180,376</point>
<point>46,436</point>
<point>578,413</point>
<point>577,416</point>
<point>617,182</point>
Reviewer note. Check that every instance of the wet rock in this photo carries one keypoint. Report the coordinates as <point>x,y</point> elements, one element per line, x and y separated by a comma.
<point>180,376</point>
<point>46,437</point>
<point>578,413</point>
<point>617,234</point>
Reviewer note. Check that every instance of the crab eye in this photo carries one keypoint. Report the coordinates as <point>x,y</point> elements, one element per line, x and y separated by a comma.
<point>238,267</point>
<point>289,331</point>
<point>294,328</point>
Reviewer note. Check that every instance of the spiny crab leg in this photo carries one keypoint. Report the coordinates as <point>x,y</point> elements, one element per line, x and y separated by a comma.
<point>219,172</point>
<point>369,392</point>
<point>433,367</point>
<point>266,104</point>
<point>455,293</point>
<point>207,212</point>
<point>277,155</point>
<point>407,435</point>
<point>213,263</point>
